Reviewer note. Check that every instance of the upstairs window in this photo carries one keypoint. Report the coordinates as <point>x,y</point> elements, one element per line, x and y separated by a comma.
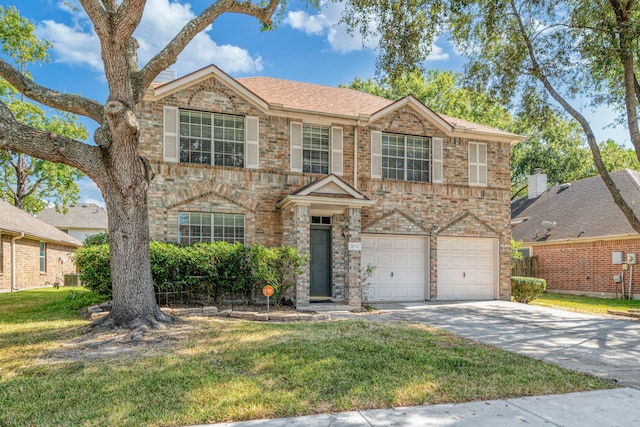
<point>315,149</point>
<point>212,139</point>
<point>406,158</point>
<point>197,227</point>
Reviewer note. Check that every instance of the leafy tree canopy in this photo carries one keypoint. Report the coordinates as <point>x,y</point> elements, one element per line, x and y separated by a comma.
<point>28,182</point>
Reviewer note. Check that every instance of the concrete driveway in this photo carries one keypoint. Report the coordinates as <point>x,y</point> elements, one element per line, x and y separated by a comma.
<point>607,348</point>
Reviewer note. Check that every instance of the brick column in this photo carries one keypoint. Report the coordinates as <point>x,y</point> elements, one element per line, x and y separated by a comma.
<point>302,241</point>
<point>353,291</point>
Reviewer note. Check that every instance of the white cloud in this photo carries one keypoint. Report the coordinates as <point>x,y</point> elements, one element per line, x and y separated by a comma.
<point>77,43</point>
<point>326,23</point>
<point>310,24</point>
<point>72,45</point>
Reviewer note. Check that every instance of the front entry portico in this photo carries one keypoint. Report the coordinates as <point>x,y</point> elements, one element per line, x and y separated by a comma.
<point>334,247</point>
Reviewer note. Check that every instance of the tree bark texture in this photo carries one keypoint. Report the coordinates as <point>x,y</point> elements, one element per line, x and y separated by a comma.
<point>115,164</point>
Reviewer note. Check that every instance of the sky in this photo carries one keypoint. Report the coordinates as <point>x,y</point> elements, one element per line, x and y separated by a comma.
<point>307,45</point>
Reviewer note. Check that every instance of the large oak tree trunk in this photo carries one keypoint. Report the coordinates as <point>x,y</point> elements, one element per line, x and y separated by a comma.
<point>134,302</point>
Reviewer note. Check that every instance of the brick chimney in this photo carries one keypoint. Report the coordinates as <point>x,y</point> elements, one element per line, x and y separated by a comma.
<point>537,184</point>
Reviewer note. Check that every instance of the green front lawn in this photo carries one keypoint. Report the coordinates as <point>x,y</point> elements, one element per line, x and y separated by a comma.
<point>216,370</point>
<point>582,304</point>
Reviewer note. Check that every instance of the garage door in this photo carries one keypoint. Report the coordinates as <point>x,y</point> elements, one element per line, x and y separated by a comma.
<point>400,267</point>
<point>466,268</point>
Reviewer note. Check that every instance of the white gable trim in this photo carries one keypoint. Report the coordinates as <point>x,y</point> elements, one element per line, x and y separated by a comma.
<point>332,179</point>
<point>413,102</point>
<point>196,77</point>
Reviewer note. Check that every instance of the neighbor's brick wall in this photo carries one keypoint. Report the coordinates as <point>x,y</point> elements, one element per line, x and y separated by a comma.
<point>255,193</point>
<point>28,263</point>
<point>586,268</point>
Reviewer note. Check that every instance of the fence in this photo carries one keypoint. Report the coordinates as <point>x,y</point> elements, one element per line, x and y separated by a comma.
<point>525,267</point>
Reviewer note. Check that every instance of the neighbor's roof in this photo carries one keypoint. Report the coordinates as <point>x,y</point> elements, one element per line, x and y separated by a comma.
<point>16,221</point>
<point>84,215</point>
<point>583,210</point>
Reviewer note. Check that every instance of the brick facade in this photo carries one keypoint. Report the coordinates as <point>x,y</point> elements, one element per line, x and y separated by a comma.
<point>400,207</point>
<point>27,258</point>
<point>586,268</point>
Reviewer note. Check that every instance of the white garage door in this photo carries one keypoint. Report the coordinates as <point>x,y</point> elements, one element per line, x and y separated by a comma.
<point>466,268</point>
<point>400,267</point>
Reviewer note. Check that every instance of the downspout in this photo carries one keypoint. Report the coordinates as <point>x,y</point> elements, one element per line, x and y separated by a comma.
<point>13,261</point>
<point>355,156</point>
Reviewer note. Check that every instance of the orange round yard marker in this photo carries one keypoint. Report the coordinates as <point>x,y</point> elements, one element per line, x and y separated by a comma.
<point>267,291</point>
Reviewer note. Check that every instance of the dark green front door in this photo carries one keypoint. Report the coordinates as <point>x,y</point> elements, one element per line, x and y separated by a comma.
<point>320,262</point>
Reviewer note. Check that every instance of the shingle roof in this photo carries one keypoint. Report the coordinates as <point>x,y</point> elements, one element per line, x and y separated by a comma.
<point>84,215</point>
<point>333,100</point>
<point>585,209</point>
<point>15,220</point>
<point>314,97</point>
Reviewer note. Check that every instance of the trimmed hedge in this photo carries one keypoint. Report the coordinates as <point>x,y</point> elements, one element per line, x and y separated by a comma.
<point>526,289</point>
<point>210,269</point>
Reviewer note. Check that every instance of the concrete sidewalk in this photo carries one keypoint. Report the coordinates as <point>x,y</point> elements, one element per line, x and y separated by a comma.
<point>603,408</point>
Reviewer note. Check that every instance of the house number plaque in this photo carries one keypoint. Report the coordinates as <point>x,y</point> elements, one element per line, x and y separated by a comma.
<point>355,246</point>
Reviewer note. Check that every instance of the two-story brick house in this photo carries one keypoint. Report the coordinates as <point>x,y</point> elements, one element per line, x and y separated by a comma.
<point>351,178</point>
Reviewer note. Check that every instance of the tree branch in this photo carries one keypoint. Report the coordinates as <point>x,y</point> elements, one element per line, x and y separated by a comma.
<point>170,53</point>
<point>586,127</point>
<point>71,103</point>
<point>98,13</point>
<point>48,146</point>
<point>128,17</point>
<point>33,188</point>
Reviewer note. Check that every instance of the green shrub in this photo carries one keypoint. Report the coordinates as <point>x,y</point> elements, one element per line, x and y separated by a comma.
<point>526,289</point>
<point>209,269</point>
<point>94,263</point>
<point>96,239</point>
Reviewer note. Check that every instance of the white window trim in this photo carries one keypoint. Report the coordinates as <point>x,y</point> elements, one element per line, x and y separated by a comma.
<point>336,148</point>
<point>42,257</point>
<point>244,240</point>
<point>406,158</point>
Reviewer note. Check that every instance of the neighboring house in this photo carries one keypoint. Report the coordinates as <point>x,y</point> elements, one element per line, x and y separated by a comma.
<point>32,253</point>
<point>351,178</point>
<point>584,251</point>
<point>80,221</point>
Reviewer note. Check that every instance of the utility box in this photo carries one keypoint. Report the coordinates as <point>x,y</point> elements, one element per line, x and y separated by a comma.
<point>616,258</point>
<point>631,258</point>
<point>617,278</point>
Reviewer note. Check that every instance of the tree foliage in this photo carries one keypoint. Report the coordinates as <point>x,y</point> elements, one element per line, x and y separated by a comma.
<point>27,182</point>
<point>542,53</point>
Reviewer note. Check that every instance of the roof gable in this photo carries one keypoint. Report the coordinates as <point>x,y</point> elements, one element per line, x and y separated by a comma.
<point>419,107</point>
<point>328,193</point>
<point>582,210</point>
<point>162,90</point>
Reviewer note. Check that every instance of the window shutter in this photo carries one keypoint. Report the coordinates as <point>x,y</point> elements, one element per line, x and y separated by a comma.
<point>482,164</point>
<point>336,150</point>
<point>376,154</point>
<point>296,147</point>
<point>252,144</point>
<point>436,160</point>
<point>477,163</point>
<point>171,138</point>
